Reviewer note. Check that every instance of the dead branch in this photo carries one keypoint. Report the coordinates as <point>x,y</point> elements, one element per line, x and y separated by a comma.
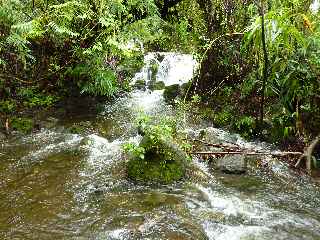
<point>219,145</point>
<point>237,150</point>
<point>274,154</point>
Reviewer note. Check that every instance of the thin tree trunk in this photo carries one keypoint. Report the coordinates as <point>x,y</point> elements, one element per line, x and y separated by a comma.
<point>308,155</point>
<point>266,63</point>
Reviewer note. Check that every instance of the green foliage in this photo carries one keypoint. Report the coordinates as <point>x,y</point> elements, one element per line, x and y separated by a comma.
<point>283,126</point>
<point>7,106</point>
<point>31,97</point>
<point>23,125</point>
<point>222,118</point>
<point>103,83</point>
<point>246,126</point>
<point>134,150</point>
<point>293,43</point>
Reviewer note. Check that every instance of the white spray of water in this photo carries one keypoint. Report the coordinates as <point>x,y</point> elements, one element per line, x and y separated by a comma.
<point>176,69</point>
<point>315,6</point>
<point>173,68</point>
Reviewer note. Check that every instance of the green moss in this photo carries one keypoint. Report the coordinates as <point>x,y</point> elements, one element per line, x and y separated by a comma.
<point>152,85</point>
<point>157,160</point>
<point>155,171</point>
<point>140,84</point>
<point>154,70</point>
<point>171,92</point>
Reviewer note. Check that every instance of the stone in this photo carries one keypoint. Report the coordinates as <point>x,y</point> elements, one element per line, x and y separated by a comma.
<point>2,136</point>
<point>160,56</point>
<point>164,162</point>
<point>140,85</point>
<point>49,123</point>
<point>154,85</point>
<point>185,88</point>
<point>171,92</point>
<point>232,164</point>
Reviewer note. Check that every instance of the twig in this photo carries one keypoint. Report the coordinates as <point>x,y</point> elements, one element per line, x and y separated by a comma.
<point>216,144</point>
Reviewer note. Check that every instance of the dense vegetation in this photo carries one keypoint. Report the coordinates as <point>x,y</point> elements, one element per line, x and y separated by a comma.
<point>259,60</point>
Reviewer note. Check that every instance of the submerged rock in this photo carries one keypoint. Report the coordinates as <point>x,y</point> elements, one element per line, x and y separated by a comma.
<point>163,162</point>
<point>80,128</point>
<point>171,92</point>
<point>233,164</point>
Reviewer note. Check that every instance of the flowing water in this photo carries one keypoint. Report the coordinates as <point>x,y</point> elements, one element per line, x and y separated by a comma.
<point>58,185</point>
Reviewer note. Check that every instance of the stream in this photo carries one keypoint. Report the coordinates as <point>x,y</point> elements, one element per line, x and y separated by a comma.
<point>60,185</point>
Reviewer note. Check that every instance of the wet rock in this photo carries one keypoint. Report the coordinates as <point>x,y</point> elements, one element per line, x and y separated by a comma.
<point>80,128</point>
<point>163,162</point>
<point>160,56</point>
<point>233,164</point>
<point>171,92</point>
<point>2,136</point>
<point>185,88</point>
<point>49,123</point>
<point>153,85</point>
<point>140,85</point>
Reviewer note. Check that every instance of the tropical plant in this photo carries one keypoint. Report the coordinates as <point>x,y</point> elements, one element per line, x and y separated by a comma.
<point>292,42</point>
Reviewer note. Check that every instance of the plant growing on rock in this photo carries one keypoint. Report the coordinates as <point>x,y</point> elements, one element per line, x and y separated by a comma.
<point>158,157</point>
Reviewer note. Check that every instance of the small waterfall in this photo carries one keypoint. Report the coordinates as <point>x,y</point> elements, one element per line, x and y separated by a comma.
<point>315,6</point>
<point>172,68</point>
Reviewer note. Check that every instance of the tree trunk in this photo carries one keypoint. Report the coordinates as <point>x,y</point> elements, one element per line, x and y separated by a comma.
<point>265,68</point>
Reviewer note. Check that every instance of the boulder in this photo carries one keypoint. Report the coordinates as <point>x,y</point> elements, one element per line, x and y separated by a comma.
<point>160,56</point>
<point>2,136</point>
<point>154,67</point>
<point>154,85</point>
<point>233,164</point>
<point>140,85</point>
<point>163,162</point>
<point>171,92</point>
<point>49,123</point>
<point>185,88</point>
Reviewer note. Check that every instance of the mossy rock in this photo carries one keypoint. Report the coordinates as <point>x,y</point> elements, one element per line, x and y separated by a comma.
<point>164,162</point>
<point>154,67</point>
<point>140,85</point>
<point>153,85</point>
<point>171,92</point>
<point>185,88</point>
